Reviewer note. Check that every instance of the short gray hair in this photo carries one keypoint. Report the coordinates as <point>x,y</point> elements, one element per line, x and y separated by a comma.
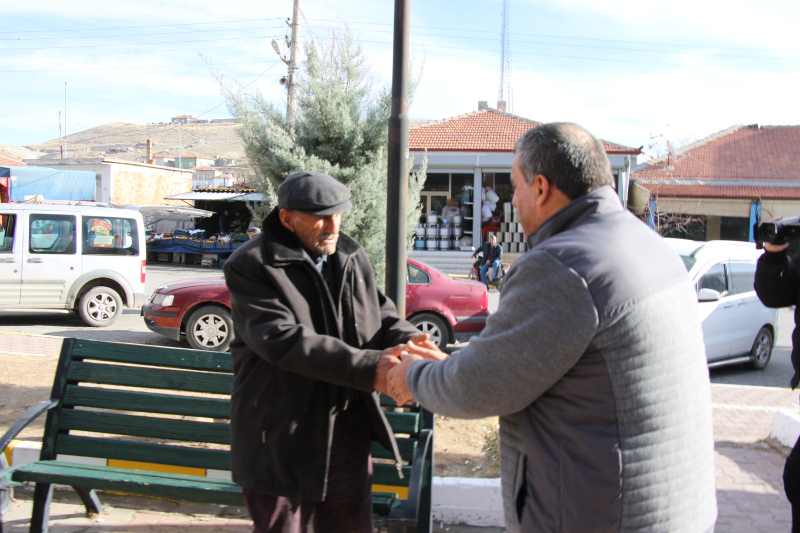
<point>571,158</point>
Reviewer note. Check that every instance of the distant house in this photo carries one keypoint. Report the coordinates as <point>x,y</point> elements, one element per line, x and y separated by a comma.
<point>127,182</point>
<point>209,177</point>
<point>184,119</point>
<point>164,159</point>
<point>191,160</point>
<point>6,162</point>
<point>723,183</point>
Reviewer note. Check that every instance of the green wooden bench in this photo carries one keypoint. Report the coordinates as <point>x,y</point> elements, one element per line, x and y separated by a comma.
<point>133,410</point>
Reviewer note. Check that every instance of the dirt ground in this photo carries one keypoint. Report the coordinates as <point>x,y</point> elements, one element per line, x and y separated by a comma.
<point>462,448</point>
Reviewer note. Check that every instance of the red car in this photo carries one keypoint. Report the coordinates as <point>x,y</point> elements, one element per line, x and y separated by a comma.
<point>199,309</point>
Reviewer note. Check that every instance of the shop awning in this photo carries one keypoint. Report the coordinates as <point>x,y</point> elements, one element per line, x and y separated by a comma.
<point>225,196</point>
<point>171,210</point>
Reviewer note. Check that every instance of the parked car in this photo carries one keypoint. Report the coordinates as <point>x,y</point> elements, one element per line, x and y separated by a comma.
<point>83,258</point>
<point>199,309</point>
<point>737,327</point>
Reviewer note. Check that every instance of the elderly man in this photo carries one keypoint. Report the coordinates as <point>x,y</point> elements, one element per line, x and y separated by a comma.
<point>311,336</point>
<point>252,232</point>
<point>492,254</point>
<point>594,360</point>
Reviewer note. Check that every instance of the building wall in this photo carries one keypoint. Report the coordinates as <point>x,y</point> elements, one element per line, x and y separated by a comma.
<point>132,185</point>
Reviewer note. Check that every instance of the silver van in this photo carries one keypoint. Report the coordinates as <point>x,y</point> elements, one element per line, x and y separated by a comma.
<point>79,257</point>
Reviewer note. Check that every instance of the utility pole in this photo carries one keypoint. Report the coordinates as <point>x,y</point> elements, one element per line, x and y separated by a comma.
<point>180,146</point>
<point>397,179</point>
<point>60,135</point>
<point>65,120</point>
<point>291,105</point>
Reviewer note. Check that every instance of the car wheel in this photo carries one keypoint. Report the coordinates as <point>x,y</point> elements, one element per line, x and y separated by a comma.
<point>433,325</point>
<point>100,307</point>
<point>761,351</point>
<point>210,328</point>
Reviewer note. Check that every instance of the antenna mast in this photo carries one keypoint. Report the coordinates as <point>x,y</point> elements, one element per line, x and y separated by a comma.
<point>505,94</point>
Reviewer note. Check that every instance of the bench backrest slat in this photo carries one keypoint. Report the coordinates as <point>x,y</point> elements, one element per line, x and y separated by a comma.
<point>142,426</point>
<point>408,423</point>
<point>406,446</point>
<point>153,356</point>
<point>145,452</point>
<point>386,474</point>
<point>153,378</point>
<point>147,402</point>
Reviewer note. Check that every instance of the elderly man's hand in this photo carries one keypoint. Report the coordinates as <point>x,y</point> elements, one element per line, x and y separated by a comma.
<point>387,360</point>
<point>398,389</point>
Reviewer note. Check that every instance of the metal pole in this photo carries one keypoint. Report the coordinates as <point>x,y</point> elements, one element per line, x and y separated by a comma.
<point>291,105</point>
<point>397,192</point>
<point>65,119</point>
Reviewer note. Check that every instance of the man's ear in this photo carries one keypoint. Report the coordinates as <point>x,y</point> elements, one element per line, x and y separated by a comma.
<point>542,189</point>
<point>287,219</point>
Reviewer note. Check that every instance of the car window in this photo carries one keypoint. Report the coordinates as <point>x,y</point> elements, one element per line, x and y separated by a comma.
<point>52,234</point>
<point>417,276</point>
<point>110,236</point>
<point>714,279</point>
<point>7,233</point>
<point>742,277</point>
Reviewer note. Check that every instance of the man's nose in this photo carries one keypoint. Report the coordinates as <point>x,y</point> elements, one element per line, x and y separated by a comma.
<point>332,223</point>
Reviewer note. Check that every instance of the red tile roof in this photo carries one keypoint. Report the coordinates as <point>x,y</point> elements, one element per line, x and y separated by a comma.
<point>196,156</point>
<point>487,130</point>
<point>6,162</point>
<point>164,155</point>
<point>740,162</point>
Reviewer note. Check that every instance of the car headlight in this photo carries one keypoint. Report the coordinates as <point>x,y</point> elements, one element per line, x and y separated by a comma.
<point>160,298</point>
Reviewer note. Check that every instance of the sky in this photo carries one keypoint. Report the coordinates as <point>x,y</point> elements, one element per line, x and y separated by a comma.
<point>631,72</point>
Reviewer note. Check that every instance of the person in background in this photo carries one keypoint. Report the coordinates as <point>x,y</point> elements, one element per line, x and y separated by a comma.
<point>224,223</point>
<point>252,232</point>
<point>492,256</point>
<point>777,284</point>
<point>594,360</point>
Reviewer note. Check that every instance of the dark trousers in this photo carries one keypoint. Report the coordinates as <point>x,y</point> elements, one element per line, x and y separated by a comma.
<point>791,484</point>
<point>347,507</point>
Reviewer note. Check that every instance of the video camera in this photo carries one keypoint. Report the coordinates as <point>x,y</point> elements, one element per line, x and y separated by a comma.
<point>777,232</point>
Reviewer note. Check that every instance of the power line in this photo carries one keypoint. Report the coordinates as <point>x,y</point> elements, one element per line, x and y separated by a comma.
<point>141,27</point>
<point>204,30</point>
<point>130,68</point>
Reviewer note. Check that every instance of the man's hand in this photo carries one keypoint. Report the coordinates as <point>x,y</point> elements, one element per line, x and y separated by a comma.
<point>387,360</point>
<point>426,350</point>
<point>775,247</point>
<point>398,389</point>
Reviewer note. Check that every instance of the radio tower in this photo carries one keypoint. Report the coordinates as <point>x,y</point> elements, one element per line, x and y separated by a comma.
<point>505,94</point>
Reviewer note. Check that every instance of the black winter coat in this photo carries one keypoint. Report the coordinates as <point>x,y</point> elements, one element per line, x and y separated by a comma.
<point>778,285</point>
<point>300,353</point>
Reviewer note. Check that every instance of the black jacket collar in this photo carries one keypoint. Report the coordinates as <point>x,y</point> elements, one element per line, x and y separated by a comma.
<point>283,245</point>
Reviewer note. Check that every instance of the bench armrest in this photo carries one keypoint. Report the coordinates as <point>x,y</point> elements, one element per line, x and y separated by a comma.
<point>23,422</point>
<point>418,493</point>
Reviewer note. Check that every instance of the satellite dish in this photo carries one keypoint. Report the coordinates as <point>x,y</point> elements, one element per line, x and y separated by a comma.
<point>672,156</point>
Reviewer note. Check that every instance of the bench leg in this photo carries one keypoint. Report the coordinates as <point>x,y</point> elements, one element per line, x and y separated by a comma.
<point>40,518</point>
<point>90,501</point>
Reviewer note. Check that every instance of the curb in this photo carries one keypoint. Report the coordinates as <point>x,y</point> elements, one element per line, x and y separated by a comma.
<point>786,427</point>
<point>470,501</point>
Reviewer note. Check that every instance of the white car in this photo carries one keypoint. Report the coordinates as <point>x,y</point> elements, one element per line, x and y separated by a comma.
<point>737,327</point>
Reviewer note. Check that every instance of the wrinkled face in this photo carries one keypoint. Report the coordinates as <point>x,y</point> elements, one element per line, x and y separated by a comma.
<point>524,200</point>
<point>318,233</point>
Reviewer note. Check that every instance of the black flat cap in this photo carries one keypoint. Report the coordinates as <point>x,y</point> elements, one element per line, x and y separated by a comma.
<point>314,193</point>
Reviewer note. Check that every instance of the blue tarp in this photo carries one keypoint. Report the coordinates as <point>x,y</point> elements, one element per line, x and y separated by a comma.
<point>185,249</point>
<point>50,183</point>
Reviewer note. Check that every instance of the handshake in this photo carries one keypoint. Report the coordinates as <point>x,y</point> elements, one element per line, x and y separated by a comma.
<point>390,373</point>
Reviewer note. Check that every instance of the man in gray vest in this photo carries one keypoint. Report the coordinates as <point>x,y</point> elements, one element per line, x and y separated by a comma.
<point>594,360</point>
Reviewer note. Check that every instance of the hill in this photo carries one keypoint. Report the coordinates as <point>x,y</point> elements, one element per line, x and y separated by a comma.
<point>129,141</point>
